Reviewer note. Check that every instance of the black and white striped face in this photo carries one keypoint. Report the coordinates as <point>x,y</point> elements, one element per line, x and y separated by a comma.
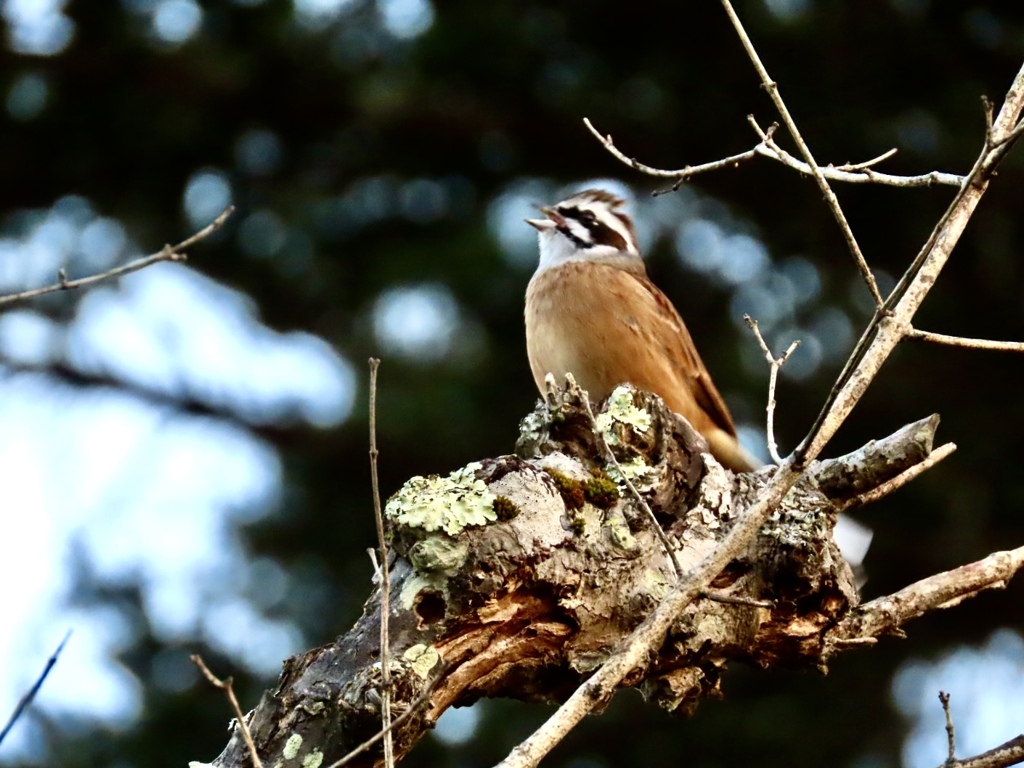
<point>586,227</point>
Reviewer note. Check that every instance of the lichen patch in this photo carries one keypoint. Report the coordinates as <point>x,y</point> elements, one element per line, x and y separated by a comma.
<point>450,503</point>
<point>620,408</point>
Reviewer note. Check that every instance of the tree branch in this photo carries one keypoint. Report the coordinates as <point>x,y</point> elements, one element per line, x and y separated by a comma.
<point>849,173</point>
<point>227,686</point>
<point>414,707</point>
<point>775,364</point>
<point>901,479</point>
<point>539,592</point>
<point>961,341</point>
<point>26,701</point>
<point>167,253</point>
<point>679,175</point>
<point>950,732</point>
<point>885,615</point>
<point>384,574</point>
<point>1010,753</point>
<point>892,322</point>
<point>855,173</point>
<point>833,203</point>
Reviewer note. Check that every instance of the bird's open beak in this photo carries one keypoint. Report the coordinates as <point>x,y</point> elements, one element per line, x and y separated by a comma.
<point>554,219</point>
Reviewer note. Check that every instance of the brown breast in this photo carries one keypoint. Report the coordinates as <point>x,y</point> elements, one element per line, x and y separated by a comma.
<point>608,326</point>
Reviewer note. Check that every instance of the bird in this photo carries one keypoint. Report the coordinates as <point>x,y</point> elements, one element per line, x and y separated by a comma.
<point>592,311</point>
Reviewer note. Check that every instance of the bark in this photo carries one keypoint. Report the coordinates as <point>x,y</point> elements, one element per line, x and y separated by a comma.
<point>517,576</point>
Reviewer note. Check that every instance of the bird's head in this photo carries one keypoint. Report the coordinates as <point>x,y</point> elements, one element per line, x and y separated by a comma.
<point>589,226</point>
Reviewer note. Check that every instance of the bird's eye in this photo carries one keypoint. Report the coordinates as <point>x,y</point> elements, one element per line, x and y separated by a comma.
<point>587,217</point>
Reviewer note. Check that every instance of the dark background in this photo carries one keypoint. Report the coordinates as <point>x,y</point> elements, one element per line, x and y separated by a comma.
<point>491,93</point>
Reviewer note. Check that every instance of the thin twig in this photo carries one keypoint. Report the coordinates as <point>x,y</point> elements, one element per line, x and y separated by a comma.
<point>859,173</point>
<point>385,580</point>
<point>773,377</point>
<point>30,694</point>
<point>682,174</point>
<point>880,491</point>
<point>226,685</point>
<point>866,164</point>
<point>961,341</point>
<point>670,550</point>
<point>721,597</point>
<point>414,705</point>
<point>890,323</point>
<point>833,203</point>
<point>850,173</point>
<point>167,253</point>
<point>950,737</point>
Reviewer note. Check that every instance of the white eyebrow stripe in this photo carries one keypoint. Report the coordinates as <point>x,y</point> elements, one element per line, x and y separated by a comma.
<point>614,223</point>
<point>577,229</point>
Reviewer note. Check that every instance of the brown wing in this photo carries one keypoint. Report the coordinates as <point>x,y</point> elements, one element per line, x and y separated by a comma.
<point>678,343</point>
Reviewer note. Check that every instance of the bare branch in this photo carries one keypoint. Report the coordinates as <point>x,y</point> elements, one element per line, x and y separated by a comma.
<point>833,203</point>
<point>866,164</point>
<point>31,693</point>
<point>950,734</point>
<point>961,341</point>
<point>892,322</point>
<point>680,175</point>
<point>226,685</point>
<point>773,376</point>
<point>876,462</point>
<point>901,479</point>
<point>885,331</point>
<point>855,173</point>
<point>167,253</point>
<point>859,173</point>
<point>885,615</point>
<point>521,629</point>
<point>1010,753</point>
<point>385,577</point>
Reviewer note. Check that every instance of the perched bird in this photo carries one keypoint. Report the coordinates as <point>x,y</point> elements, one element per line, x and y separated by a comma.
<point>592,311</point>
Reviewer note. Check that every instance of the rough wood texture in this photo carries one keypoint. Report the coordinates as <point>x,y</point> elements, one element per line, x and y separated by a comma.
<point>536,568</point>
